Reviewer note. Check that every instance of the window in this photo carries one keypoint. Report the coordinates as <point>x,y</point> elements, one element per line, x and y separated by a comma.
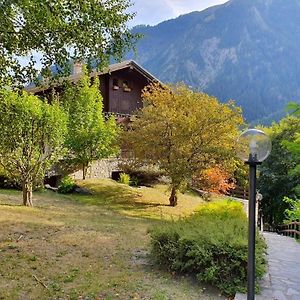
<point>126,87</point>
<point>115,84</point>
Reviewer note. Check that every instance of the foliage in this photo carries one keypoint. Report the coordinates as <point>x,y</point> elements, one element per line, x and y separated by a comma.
<point>90,136</point>
<point>211,244</point>
<point>293,108</point>
<point>241,174</point>
<point>134,181</point>
<point>60,31</point>
<point>294,145</point>
<point>182,131</point>
<point>277,178</point>
<point>6,182</point>
<point>67,185</point>
<point>293,212</point>
<point>124,178</point>
<point>31,137</point>
<point>214,180</point>
<point>146,175</point>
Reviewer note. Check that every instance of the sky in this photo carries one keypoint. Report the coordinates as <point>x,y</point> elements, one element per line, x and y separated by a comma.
<point>152,12</point>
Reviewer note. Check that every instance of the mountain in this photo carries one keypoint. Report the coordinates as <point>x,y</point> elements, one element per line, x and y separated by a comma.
<point>246,50</point>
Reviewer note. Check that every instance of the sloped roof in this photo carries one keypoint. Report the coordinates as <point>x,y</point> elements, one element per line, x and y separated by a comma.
<point>110,69</point>
<point>129,64</point>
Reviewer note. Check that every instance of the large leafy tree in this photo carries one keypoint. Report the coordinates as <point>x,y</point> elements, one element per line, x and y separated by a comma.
<point>182,132</point>
<point>60,30</point>
<point>31,138</point>
<point>90,136</point>
<point>293,211</point>
<point>294,145</point>
<point>278,177</point>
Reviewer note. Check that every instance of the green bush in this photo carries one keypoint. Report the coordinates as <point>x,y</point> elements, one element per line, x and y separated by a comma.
<point>67,185</point>
<point>6,182</point>
<point>211,244</point>
<point>134,181</point>
<point>146,175</point>
<point>124,178</point>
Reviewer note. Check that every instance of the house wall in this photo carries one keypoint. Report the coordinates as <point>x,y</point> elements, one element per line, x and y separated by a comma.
<point>99,169</point>
<point>123,99</point>
<point>104,87</point>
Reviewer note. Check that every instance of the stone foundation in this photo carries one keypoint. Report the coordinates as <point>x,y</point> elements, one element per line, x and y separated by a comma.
<point>99,169</point>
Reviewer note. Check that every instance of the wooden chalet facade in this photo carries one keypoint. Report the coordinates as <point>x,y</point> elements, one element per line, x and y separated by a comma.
<point>121,86</point>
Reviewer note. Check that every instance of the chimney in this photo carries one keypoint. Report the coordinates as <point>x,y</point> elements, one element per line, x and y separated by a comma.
<point>77,68</point>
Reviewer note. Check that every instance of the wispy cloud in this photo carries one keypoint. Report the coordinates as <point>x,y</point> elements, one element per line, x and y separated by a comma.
<point>185,6</point>
<point>154,11</point>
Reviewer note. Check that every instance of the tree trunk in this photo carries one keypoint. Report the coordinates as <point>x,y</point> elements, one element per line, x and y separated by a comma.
<point>27,193</point>
<point>173,196</point>
<point>84,171</point>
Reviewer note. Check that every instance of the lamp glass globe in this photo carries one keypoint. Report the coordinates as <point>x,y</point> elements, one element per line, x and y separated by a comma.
<point>253,145</point>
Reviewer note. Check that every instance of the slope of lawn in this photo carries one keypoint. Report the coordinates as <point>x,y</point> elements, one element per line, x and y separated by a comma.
<point>89,246</point>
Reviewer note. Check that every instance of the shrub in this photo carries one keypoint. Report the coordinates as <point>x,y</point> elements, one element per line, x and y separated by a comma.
<point>124,178</point>
<point>214,180</point>
<point>146,175</point>
<point>134,181</point>
<point>67,185</point>
<point>211,244</point>
<point>6,182</point>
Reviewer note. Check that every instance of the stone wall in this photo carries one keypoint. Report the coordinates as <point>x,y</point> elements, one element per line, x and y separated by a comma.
<point>99,169</point>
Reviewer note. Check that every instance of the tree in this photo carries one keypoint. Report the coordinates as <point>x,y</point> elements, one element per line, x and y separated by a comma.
<point>31,137</point>
<point>294,145</point>
<point>277,178</point>
<point>293,108</point>
<point>182,131</point>
<point>89,136</point>
<point>59,31</point>
<point>292,213</point>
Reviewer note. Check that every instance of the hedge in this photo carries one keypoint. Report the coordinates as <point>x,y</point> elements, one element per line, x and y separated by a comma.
<point>211,244</point>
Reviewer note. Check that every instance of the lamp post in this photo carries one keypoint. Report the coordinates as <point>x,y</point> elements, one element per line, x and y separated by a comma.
<point>253,147</point>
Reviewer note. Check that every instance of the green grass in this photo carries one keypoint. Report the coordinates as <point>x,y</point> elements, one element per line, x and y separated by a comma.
<point>94,246</point>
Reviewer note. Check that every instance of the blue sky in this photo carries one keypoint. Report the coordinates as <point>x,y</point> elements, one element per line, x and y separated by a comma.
<point>152,12</point>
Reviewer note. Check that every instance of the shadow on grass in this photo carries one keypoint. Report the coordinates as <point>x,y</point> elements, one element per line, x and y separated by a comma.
<point>116,197</point>
<point>13,205</point>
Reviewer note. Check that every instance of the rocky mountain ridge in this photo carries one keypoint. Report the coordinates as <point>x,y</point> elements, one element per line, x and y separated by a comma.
<point>246,50</point>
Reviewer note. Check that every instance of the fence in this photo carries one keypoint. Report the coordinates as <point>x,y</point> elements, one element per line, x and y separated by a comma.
<point>240,192</point>
<point>291,229</point>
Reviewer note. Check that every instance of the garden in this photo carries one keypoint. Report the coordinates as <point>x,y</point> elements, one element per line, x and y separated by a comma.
<point>122,240</point>
<point>101,246</point>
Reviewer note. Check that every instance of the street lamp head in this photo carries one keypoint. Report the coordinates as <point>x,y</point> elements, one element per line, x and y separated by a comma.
<point>253,146</point>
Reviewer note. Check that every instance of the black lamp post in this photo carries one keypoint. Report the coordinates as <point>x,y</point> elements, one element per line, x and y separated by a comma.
<point>253,147</point>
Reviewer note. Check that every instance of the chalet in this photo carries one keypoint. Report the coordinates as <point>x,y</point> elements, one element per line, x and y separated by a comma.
<point>121,85</point>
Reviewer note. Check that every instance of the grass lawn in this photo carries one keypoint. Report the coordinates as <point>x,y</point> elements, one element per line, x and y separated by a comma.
<point>89,247</point>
